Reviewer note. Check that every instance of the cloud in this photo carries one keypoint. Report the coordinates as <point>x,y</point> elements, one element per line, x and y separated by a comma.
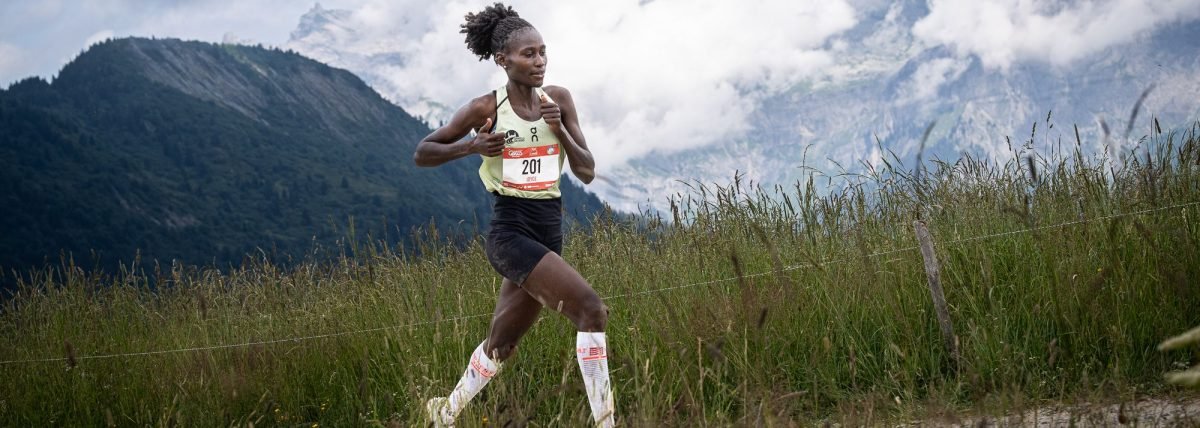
<point>44,9</point>
<point>1003,32</point>
<point>929,77</point>
<point>98,37</point>
<point>12,59</point>
<point>51,32</point>
<point>674,75</point>
<point>647,77</point>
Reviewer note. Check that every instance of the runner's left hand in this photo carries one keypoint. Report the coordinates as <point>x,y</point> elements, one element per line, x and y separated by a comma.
<point>551,113</point>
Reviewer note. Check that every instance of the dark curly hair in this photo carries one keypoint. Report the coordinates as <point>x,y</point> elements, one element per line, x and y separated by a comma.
<point>488,30</point>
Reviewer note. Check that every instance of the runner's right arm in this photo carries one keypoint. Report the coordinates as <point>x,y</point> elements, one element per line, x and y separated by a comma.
<point>446,143</point>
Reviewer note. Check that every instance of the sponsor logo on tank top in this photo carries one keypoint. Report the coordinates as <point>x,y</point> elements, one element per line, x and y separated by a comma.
<point>512,137</point>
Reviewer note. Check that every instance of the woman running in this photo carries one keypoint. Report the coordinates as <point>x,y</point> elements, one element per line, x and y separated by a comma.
<point>524,132</point>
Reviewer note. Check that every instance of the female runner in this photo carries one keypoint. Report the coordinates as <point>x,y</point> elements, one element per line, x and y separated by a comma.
<point>524,133</point>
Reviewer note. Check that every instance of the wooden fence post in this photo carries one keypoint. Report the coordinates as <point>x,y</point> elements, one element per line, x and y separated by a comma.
<point>933,272</point>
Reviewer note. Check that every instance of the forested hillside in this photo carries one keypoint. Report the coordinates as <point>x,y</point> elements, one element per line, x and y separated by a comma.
<point>204,153</point>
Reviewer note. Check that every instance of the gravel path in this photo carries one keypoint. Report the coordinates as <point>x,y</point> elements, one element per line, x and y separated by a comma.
<point>1150,412</point>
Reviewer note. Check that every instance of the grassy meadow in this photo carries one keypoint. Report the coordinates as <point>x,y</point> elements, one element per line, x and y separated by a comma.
<point>742,306</point>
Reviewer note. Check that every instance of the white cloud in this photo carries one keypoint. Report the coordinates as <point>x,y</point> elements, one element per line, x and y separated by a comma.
<point>12,59</point>
<point>51,32</point>
<point>671,75</point>
<point>929,77</point>
<point>98,37</point>
<point>660,76</point>
<point>1002,32</point>
<point>264,21</point>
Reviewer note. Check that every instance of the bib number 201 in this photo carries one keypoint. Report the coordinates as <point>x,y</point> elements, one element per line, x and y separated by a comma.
<point>531,168</point>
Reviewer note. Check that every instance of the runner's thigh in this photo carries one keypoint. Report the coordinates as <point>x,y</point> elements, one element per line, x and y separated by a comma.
<point>558,286</point>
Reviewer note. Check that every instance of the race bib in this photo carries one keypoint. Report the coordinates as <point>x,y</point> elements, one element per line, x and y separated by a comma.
<point>531,168</point>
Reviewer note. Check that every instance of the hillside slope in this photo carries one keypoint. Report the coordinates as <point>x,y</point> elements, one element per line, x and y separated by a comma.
<point>203,153</point>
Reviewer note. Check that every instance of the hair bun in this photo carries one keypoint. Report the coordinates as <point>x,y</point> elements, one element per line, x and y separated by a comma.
<point>487,30</point>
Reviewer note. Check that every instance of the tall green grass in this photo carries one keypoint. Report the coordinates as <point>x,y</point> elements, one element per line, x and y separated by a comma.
<point>743,305</point>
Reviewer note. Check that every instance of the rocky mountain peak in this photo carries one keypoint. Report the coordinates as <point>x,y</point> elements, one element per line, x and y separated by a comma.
<point>255,82</point>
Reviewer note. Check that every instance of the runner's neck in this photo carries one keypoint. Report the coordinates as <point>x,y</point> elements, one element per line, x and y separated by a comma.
<point>523,97</point>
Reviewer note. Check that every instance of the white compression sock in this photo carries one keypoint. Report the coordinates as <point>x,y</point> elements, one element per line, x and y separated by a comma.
<point>479,371</point>
<point>591,349</point>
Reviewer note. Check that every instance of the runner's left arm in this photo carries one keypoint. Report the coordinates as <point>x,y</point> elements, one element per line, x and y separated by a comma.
<point>561,116</point>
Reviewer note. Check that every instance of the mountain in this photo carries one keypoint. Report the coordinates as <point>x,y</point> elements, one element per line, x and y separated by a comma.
<point>885,88</point>
<point>888,87</point>
<point>329,36</point>
<point>204,153</point>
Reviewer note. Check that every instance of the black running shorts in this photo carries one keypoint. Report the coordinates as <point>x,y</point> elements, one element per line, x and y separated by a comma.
<point>523,231</point>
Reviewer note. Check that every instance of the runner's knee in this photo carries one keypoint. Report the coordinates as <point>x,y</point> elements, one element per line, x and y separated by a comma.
<point>592,315</point>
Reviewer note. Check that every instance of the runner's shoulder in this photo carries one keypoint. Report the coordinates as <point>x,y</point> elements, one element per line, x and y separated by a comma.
<point>485,103</point>
<point>479,108</point>
<point>557,92</point>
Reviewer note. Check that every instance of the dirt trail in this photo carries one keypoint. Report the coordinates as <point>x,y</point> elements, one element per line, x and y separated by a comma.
<point>1150,412</point>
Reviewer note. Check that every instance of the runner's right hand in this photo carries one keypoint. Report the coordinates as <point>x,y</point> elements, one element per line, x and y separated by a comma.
<point>487,143</point>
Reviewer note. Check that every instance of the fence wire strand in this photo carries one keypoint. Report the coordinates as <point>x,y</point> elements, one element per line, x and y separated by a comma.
<point>619,296</point>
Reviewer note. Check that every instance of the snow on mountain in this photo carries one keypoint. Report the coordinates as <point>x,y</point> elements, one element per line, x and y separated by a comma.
<point>888,87</point>
<point>883,86</point>
<point>335,37</point>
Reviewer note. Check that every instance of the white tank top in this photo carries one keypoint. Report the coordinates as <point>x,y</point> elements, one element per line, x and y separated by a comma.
<point>532,160</point>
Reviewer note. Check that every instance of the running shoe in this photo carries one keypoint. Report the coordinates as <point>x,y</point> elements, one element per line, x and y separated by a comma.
<point>438,411</point>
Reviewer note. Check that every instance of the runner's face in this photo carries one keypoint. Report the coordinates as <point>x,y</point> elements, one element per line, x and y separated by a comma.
<point>525,57</point>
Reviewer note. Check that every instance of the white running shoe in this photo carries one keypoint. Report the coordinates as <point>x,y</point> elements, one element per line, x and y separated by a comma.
<point>438,411</point>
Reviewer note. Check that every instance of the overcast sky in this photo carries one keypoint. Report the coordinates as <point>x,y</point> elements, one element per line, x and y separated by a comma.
<point>38,37</point>
<point>689,71</point>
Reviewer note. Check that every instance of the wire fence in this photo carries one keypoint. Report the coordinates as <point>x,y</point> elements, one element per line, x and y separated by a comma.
<point>612,297</point>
